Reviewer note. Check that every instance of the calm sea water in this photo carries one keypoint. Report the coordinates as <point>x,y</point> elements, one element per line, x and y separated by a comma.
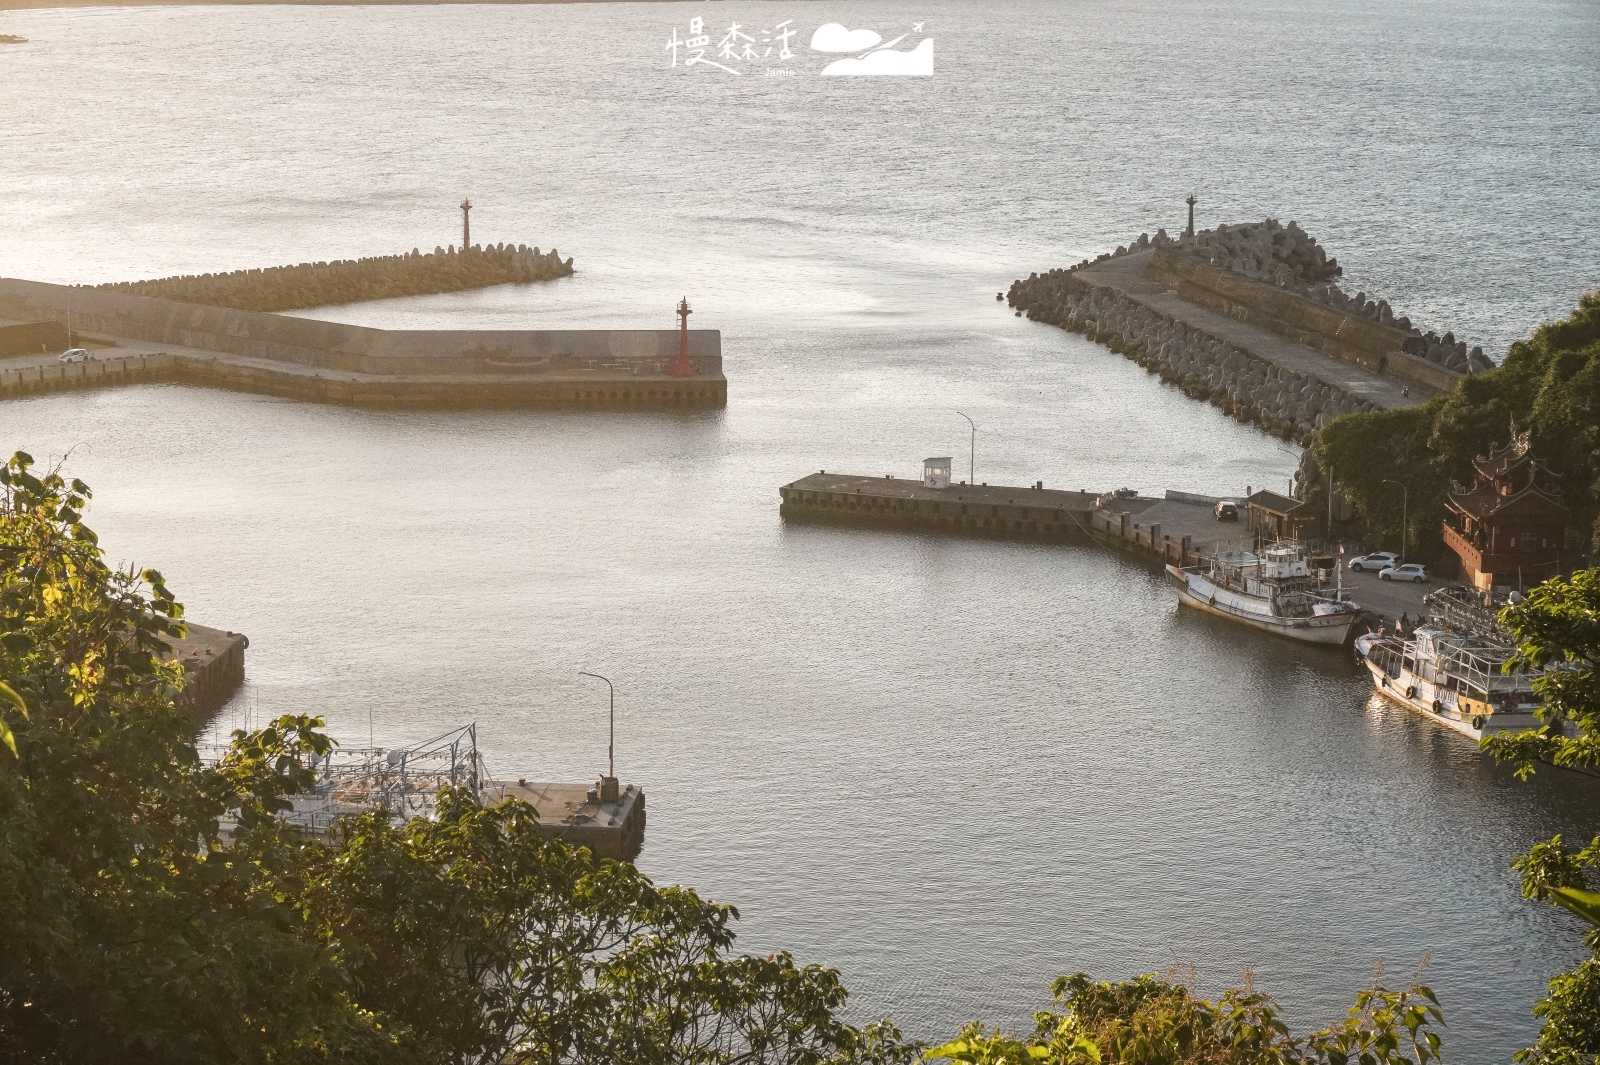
<point>953,769</point>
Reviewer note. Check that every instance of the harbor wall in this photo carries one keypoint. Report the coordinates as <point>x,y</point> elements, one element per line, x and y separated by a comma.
<point>1357,340</point>
<point>550,392</point>
<point>213,667</point>
<point>1092,518</point>
<point>357,349</point>
<point>1282,401</point>
<point>1035,520</point>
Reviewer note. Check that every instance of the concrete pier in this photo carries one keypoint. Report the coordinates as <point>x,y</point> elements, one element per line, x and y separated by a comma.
<point>1013,513</point>
<point>326,362</point>
<point>1180,528</point>
<point>213,667</point>
<point>566,812</point>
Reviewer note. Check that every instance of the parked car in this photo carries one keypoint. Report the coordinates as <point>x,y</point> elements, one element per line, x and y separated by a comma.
<point>1226,511</point>
<point>1409,572</point>
<point>76,355</point>
<point>1378,560</point>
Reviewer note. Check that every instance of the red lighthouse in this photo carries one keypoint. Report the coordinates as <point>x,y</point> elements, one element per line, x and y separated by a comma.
<point>682,368</point>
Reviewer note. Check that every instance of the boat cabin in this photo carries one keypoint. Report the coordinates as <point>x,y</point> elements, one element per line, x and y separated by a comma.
<point>1507,529</point>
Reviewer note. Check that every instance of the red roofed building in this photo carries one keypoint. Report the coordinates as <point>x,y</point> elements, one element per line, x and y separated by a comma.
<point>1508,528</point>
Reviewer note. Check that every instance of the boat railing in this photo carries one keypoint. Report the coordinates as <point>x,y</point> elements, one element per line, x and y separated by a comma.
<point>1462,610</point>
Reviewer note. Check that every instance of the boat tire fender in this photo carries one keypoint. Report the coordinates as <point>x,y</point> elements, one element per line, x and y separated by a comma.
<point>1411,693</point>
<point>1477,722</point>
<point>1438,707</point>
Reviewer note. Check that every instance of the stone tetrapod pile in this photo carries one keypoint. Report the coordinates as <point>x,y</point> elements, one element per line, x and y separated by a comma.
<point>283,288</point>
<point>1289,258</point>
<point>1289,404</point>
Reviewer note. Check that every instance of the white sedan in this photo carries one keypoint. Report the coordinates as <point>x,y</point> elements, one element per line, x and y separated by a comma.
<point>1409,572</point>
<point>1378,560</point>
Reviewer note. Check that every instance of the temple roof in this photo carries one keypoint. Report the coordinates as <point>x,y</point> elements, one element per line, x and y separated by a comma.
<point>1484,502</point>
<point>1501,463</point>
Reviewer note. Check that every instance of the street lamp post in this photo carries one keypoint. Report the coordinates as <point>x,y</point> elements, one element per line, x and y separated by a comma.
<point>972,453</point>
<point>1405,524</point>
<point>610,781</point>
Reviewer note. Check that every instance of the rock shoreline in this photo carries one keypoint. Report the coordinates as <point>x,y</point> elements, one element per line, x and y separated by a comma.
<point>322,284</point>
<point>1282,401</point>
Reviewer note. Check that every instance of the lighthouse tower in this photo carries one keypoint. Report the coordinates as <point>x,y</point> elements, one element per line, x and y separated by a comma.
<point>682,368</point>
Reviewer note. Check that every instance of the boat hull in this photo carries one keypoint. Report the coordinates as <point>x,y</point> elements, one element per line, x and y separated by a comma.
<point>1440,704</point>
<point>1330,629</point>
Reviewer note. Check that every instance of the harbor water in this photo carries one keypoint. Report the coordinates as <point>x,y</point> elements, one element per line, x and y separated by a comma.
<point>954,769</point>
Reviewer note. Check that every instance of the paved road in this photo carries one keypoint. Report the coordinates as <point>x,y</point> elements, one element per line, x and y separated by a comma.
<point>1387,598</point>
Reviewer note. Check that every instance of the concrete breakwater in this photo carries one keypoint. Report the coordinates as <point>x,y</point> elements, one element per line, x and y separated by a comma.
<point>321,284</point>
<point>1284,401</point>
<point>1290,259</point>
<point>556,392</point>
<point>300,358</point>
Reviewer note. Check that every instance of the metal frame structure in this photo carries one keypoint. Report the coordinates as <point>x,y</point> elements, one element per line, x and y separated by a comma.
<point>404,782</point>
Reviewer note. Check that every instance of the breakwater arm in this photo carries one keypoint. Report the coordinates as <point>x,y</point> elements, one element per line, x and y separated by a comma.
<point>322,284</point>
<point>1248,319</point>
<point>329,362</point>
<point>1286,389</point>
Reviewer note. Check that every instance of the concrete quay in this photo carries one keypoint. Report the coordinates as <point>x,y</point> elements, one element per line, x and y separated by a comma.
<point>304,359</point>
<point>1043,514</point>
<point>568,813</point>
<point>213,667</point>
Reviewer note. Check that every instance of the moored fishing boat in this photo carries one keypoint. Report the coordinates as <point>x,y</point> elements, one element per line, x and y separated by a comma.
<point>1275,591</point>
<point>1451,670</point>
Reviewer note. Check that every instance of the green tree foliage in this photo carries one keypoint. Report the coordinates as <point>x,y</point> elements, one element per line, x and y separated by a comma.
<point>135,929</point>
<point>1368,452</point>
<point>497,945</point>
<point>129,934</point>
<point>1548,385</point>
<point>1152,1021</point>
<point>1557,627</point>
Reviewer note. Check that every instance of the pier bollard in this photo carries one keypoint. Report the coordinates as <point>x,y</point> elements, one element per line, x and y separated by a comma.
<point>1155,539</point>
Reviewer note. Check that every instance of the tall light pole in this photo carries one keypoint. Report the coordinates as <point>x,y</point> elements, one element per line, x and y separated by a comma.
<point>972,454</point>
<point>1405,525</point>
<point>611,747</point>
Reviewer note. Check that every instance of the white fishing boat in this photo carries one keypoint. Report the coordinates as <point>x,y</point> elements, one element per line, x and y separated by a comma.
<point>1451,671</point>
<point>1275,591</point>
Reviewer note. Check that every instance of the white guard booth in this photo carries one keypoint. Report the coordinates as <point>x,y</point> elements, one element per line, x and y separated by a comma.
<point>936,473</point>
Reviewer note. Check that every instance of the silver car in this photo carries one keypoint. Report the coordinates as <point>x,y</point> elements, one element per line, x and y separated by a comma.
<point>1378,560</point>
<point>76,355</point>
<point>1411,571</point>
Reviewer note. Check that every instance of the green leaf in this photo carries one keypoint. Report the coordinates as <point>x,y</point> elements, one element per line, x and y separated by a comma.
<point>1585,904</point>
<point>950,1050</point>
<point>7,695</point>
